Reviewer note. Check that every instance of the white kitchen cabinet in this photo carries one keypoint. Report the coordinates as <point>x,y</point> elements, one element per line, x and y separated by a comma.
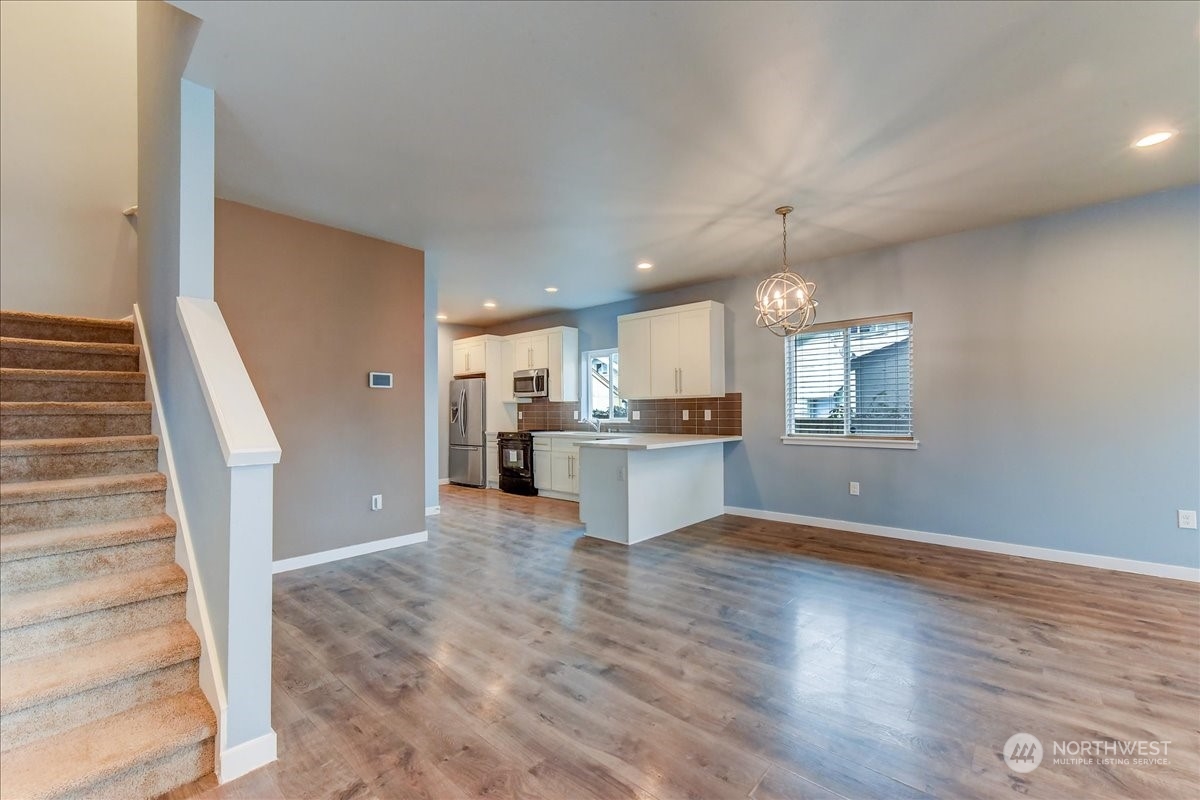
<point>470,356</point>
<point>543,474</point>
<point>553,349</point>
<point>673,352</point>
<point>563,479</point>
<point>664,355</point>
<point>633,337</point>
<point>531,351</point>
<point>492,462</point>
<point>503,385</point>
<point>556,466</point>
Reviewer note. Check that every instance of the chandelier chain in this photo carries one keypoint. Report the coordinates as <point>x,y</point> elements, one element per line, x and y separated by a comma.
<point>785,264</point>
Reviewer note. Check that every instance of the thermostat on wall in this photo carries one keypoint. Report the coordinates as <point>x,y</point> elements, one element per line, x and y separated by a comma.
<point>379,380</point>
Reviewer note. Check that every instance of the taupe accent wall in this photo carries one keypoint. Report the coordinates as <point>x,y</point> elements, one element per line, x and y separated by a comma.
<point>313,309</point>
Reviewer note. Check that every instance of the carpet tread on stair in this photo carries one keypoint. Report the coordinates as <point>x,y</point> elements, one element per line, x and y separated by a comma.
<point>101,694</point>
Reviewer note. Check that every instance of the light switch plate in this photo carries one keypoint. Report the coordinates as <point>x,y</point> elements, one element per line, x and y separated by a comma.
<point>376,502</point>
<point>854,488</point>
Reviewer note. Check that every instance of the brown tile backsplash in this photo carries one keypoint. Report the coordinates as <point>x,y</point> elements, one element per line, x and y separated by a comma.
<point>656,416</point>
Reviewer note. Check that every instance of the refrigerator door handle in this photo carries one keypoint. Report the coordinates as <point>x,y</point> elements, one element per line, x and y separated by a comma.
<point>462,414</point>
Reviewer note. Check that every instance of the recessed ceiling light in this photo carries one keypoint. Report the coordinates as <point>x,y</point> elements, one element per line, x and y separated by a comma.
<point>551,289</point>
<point>1151,139</point>
<point>442,317</point>
<point>489,304</point>
<point>645,265</point>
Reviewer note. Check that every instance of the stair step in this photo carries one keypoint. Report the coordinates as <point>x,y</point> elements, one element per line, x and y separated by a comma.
<point>27,325</point>
<point>49,420</point>
<point>80,597</point>
<point>66,632</point>
<point>50,354</point>
<point>31,505</point>
<point>51,459</point>
<point>70,385</point>
<point>32,574</point>
<point>54,541</point>
<point>84,758</point>
<point>20,728</point>
<point>46,678</point>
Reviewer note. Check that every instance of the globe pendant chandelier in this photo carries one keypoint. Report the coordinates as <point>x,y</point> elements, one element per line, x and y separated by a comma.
<point>785,301</point>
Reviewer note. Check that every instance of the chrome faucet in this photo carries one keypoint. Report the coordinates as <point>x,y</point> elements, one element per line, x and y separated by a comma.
<point>594,423</point>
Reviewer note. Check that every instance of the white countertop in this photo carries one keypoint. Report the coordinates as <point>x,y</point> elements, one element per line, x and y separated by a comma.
<point>657,441</point>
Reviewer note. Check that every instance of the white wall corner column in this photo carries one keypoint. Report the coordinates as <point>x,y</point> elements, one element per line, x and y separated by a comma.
<point>197,189</point>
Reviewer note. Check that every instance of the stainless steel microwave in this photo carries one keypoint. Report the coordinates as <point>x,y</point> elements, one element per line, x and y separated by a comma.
<point>531,383</point>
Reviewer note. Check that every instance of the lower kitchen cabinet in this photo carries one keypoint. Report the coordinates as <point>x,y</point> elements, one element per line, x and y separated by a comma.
<point>542,472</point>
<point>565,471</point>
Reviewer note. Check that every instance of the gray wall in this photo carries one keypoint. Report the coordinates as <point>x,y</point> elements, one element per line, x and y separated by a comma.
<point>68,154</point>
<point>446,334</point>
<point>1057,383</point>
<point>313,309</point>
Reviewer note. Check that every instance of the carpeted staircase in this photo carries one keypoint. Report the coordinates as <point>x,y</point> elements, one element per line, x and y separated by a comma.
<point>99,690</point>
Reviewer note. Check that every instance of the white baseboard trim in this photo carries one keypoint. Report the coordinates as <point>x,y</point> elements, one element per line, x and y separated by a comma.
<point>443,481</point>
<point>240,759</point>
<point>432,511</point>
<point>983,545</point>
<point>337,554</point>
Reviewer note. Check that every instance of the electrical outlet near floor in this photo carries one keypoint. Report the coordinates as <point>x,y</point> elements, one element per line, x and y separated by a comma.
<point>1187,519</point>
<point>376,502</point>
<point>854,488</point>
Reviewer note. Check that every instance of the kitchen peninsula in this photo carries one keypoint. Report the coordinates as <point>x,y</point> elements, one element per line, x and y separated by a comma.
<point>644,485</point>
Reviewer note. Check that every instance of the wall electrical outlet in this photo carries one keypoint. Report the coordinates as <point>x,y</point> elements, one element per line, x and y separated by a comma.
<point>576,415</point>
<point>1187,519</point>
<point>520,415</point>
<point>708,415</point>
<point>376,502</point>
<point>685,414</point>
<point>854,488</point>
<point>637,415</point>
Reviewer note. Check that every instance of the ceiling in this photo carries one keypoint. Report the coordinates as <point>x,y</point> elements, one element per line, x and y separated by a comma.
<point>523,145</point>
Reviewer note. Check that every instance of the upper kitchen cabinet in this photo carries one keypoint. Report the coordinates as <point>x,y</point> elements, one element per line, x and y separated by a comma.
<point>470,356</point>
<point>673,352</point>
<point>553,349</point>
<point>531,350</point>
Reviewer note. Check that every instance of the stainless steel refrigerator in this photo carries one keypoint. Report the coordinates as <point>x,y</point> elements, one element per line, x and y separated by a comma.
<point>466,432</point>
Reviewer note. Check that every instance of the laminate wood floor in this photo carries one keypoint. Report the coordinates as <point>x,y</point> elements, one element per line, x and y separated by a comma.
<point>510,657</point>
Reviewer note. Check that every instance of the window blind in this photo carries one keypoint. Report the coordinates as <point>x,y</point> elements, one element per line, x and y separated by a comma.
<point>851,378</point>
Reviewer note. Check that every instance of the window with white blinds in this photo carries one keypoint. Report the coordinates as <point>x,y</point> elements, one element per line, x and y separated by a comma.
<point>851,379</point>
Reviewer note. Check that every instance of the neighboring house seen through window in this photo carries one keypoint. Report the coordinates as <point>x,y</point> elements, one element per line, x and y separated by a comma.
<point>850,380</point>
<point>602,399</point>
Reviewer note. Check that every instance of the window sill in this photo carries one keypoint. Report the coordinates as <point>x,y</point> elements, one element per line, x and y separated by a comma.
<point>862,441</point>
